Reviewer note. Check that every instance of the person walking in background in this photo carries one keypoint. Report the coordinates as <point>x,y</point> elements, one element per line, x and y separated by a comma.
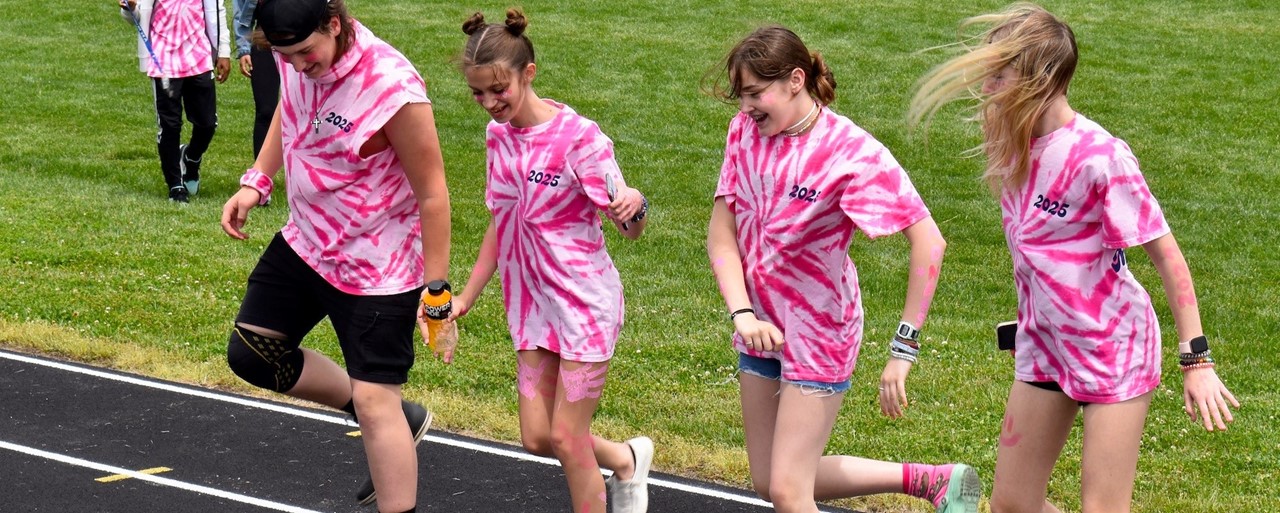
<point>368,226</point>
<point>797,181</point>
<point>256,64</point>
<point>183,46</point>
<point>550,171</point>
<point>1073,199</point>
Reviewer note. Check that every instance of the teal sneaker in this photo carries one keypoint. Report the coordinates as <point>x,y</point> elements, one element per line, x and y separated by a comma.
<point>962,493</point>
<point>190,171</point>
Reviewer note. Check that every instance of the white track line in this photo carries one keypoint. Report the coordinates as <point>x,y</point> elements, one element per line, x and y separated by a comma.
<point>163,481</point>
<point>684,487</point>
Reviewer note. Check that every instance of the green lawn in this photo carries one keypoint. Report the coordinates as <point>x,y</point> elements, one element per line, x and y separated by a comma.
<point>97,266</point>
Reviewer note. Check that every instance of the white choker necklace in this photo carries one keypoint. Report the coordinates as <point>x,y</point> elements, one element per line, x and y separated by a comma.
<point>804,124</point>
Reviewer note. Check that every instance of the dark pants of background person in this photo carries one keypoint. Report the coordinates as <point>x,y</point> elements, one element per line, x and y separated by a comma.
<point>266,94</point>
<point>195,95</point>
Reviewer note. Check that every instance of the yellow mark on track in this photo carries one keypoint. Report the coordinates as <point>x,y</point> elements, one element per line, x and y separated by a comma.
<point>121,477</point>
<point>354,434</point>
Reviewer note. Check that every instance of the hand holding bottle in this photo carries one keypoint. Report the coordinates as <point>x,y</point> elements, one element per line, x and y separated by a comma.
<point>441,333</point>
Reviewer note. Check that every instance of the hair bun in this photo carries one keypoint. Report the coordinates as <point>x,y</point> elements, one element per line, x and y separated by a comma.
<point>824,80</point>
<point>516,22</point>
<point>473,24</point>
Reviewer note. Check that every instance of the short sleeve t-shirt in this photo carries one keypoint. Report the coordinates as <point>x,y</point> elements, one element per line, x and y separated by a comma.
<point>545,187</point>
<point>1084,321</point>
<point>179,40</point>
<point>797,202</point>
<point>353,219</point>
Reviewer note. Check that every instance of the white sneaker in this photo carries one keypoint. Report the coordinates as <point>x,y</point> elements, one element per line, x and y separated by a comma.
<point>632,495</point>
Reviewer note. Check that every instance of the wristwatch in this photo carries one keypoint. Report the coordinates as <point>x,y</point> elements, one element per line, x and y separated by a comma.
<point>1199,344</point>
<point>907,332</point>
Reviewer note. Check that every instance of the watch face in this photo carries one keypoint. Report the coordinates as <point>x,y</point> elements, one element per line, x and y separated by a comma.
<point>906,331</point>
<point>1199,344</point>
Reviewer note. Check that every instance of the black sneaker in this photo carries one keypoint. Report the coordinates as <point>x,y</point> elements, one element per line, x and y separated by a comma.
<point>419,421</point>
<point>190,170</point>
<point>178,194</point>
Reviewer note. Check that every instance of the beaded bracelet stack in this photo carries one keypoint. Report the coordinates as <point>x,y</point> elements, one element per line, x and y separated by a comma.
<point>1199,358</point>
<point>905,345</point>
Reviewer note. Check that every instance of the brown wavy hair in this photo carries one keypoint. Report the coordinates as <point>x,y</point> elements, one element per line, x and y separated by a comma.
<point>771,52</point>
<point>491,43</point>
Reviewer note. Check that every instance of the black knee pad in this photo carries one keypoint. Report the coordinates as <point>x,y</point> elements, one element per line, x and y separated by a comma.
<point>263,361</point>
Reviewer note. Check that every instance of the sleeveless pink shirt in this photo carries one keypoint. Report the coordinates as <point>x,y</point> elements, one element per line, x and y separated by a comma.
<point>354,220</point>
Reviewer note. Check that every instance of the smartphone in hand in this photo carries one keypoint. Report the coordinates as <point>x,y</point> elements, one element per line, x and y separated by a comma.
<point>1006,332</point>
<point>612,189</point>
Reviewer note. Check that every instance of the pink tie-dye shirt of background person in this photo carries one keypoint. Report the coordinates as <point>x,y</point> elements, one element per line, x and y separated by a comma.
<point>179,40</point>
<point>1084,322</point>
<point>352,219</point>
<point>797,202</point>
<point>545,188</point>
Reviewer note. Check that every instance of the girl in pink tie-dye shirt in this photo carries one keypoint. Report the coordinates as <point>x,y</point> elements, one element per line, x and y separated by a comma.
<point>1072,199</point>
<point>798,181</point>
<point>368,226</point>
<point>550,173</point>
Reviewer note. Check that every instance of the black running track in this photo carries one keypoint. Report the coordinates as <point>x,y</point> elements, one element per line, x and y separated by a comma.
<point>80,438</point>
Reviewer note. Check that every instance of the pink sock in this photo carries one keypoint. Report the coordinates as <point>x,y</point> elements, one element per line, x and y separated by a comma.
<point>928,482</point>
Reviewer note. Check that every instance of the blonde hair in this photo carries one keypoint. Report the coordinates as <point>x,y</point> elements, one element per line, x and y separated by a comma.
<point>1040,48</point>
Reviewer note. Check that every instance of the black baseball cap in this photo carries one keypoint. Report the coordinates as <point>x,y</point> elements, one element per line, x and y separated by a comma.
<point>289,22</point>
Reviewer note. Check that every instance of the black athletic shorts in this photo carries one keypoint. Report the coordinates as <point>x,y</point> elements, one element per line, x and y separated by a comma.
<point>1052,387</point>
<point>375,332</point>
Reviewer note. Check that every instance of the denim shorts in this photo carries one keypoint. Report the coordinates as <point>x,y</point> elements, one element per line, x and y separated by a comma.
<point>771,369</point>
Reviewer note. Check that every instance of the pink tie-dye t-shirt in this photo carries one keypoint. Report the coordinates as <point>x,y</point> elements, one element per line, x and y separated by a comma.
<point>179,40</point>
<point>545,189</point>
<point>1084,322</point>
<point>352,219</point>
<point>797,202</point>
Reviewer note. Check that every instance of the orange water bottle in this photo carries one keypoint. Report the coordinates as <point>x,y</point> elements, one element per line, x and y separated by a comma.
<point>437,303</point>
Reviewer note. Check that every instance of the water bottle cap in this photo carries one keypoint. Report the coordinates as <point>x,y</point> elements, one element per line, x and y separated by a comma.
<point>437,287</point>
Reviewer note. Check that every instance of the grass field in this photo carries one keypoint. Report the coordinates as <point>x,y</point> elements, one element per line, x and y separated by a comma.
<point>96,266</point>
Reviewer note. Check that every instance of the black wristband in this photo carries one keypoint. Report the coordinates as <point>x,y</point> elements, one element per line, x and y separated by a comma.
<point>741,311</point>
